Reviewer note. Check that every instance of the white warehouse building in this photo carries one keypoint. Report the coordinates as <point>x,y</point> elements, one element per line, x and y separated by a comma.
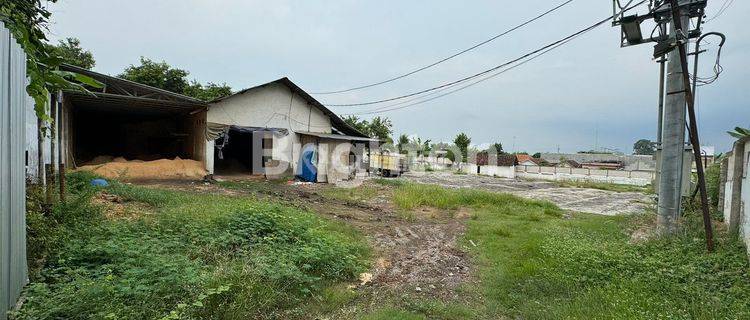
<point>266,130</point>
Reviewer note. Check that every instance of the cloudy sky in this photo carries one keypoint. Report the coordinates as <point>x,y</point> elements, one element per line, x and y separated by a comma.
<point>587,93</point>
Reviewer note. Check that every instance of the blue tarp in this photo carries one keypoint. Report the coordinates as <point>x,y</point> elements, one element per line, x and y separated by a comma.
<point>307,170</point>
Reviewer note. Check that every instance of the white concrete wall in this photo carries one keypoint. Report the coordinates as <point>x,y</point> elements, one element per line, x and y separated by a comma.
<point>270,106</point>
<point>727,206</point>
<point>745,197</point>
<point>637,178</point>
<point>497,171</point>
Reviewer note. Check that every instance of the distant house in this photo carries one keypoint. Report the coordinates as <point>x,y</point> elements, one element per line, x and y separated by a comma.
<point>568,164</point>
<point>527,160</point>
<point>502,160</point>
<point>269,129</point>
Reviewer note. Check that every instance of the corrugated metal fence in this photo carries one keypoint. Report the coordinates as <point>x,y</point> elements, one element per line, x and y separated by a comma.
<point>13,97</point>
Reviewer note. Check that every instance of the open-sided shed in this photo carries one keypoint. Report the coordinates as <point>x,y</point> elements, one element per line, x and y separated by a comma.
<point>125,119</point>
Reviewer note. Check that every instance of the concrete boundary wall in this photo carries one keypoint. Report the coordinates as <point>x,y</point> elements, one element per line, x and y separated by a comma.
<point>636,178</point>
<point>736,196</point>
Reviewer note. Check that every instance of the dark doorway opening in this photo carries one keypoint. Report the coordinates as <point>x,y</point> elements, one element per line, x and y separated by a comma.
<point>234,153</point>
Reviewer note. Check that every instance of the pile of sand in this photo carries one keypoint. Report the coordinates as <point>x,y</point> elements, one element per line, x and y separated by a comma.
<point>121,168</point>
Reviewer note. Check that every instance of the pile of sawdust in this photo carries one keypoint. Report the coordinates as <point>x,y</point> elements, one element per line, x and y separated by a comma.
<point>121,168</point>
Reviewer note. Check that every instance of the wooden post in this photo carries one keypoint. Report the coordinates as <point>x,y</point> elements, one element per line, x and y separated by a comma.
<point>60,153</point>
<point>40,152</point>
<point>52,153</point>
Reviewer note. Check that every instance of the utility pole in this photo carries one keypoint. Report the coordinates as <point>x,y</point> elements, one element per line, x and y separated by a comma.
<point>673,141</point>
<point>677,94</point>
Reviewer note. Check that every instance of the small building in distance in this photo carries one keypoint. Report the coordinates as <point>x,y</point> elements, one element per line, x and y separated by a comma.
<point>527,160</point>
<point>277,129</point>
<point>568,164</point>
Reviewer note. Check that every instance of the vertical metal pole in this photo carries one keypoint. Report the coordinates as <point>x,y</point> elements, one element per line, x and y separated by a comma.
<point>673,141</point>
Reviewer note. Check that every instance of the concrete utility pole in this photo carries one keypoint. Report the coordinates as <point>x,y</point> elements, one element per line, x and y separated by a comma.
<point>673,141</point>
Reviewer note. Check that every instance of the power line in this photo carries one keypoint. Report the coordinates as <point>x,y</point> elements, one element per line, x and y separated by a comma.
<point>401,105</point>
<point>451,56</point>
<point>449,84</point>
<point>722,9</point>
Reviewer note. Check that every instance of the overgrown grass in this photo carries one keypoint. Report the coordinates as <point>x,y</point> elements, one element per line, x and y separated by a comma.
<point>606,186</point>
<point>200,256</point>
<point>413,195</point>
<point>533,264</point>
<point>353,195</point>
<point>586,268</point>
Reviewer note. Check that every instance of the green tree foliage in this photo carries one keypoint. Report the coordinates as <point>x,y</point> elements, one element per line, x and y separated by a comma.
<point>71,52</point>
<point>378,127</point>
<point>27,21</point>
<point>157,74</point>
<point>422,147</point>
<point>536,155</point>
<point>361,125</point>
<point>403,142</point>
<point>207,92</point>
<point>644,147</point>
<point>462,141</point>
<point>739,133</point>
<point>382,128</point>
<point>162,75</point>
<point>498,147</point>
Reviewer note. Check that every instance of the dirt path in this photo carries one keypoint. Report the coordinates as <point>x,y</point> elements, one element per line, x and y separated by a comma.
<point>575,199</point>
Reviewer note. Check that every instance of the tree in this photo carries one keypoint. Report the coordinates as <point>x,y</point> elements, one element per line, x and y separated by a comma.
<point>381,128</point>
<point>378,127</point>
<point>739,133</point>
<point>536,155</point>
<point>157,74</point>
<point>207,92</point>
<point>403,141</point>
<point>27,21</point>
<point>644,147</point>
<point>71,52</point>
<point>462,141</point>
<point>360,125</point>
<point>498,147</point>
<point>162,75</point>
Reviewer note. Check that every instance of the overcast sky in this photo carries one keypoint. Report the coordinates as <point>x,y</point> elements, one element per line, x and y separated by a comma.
<point>589,92</point>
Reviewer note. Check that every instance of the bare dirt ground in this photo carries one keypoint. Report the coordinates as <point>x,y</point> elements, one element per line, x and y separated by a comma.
<point>574,199</point>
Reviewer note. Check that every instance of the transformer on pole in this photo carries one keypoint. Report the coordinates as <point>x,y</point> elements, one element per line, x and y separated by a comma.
<point>666,39</point>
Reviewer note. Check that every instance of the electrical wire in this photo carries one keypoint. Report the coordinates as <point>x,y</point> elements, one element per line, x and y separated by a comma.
<point>722,9</point>
<point>402,106</point>
<point>451,56</point>
<point>488,71</point>
<point>718,69</point>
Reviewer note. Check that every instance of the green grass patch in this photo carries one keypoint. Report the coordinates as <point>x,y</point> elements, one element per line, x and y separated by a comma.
<point>533,264</point>
<point>392,182</point>
<point>605,186</point>
<point>413,195</point>
<point>354,195</point>
<point>585,267</point>
<point>199,256</point>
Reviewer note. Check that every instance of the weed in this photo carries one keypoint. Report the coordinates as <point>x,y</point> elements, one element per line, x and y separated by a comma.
<point>200,256</point>
<point>605,186</point>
